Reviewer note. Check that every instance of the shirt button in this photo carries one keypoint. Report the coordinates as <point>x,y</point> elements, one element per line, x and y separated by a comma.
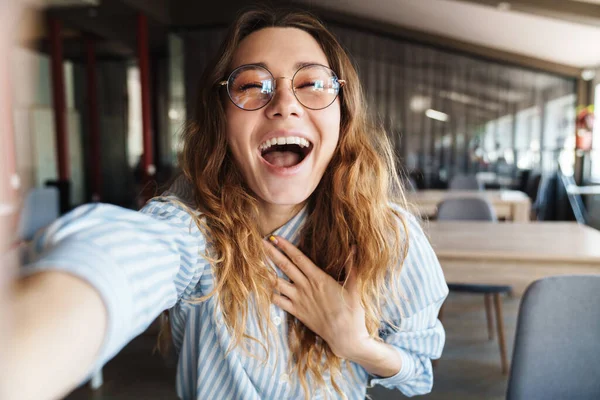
<point>277,320</point>
<point>284,378</point>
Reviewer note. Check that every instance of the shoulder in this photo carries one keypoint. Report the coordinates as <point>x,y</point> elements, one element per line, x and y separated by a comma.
<point>176,206</point>
<point>410,225</point>
<point>182,189</point>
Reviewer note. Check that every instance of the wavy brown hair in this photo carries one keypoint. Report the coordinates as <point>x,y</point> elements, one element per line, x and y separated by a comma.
<point>350,208</point>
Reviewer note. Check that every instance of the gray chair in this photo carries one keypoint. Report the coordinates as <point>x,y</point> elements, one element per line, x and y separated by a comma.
<point>466,209</point>
<point>465,182</point>
<point>41,208</point>
<point>557,345</point>
<point>575,201</point>
<point>478,209</point>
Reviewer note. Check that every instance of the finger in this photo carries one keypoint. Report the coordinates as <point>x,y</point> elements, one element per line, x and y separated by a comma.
<point>284,303</point>
<point>285,265</point>
<point>286,288</point>
<point>297,257</point>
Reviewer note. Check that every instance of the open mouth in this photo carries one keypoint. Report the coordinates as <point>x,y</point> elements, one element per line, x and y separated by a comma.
<point>285,152</point>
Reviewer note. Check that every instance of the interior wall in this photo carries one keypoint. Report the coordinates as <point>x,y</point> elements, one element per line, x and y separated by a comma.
<point>34,123</point>
<point>200,48</point>
<point>118,184</point>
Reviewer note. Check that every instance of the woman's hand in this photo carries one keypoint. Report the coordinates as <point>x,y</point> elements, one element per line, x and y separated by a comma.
<point>331,310</point>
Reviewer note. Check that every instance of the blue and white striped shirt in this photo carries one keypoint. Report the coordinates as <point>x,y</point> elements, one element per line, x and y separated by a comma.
<point>143,263</point>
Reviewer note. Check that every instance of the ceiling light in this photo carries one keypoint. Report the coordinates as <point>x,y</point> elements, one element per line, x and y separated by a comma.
<point>437,115</point>
<point>588,74</point>
<point>173,114</point>
<point>420,103</point>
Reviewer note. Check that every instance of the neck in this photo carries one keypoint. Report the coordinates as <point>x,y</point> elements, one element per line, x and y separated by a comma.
<point>273,216</point>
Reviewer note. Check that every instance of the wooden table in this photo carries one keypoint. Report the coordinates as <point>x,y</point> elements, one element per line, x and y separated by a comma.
<point>513,254</point>
<point>511,205</point>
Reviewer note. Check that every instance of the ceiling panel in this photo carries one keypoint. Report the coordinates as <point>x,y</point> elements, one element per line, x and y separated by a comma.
<point>542,37</point>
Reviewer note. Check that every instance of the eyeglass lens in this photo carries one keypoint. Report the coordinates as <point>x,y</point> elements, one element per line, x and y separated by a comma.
<point>252,87</point>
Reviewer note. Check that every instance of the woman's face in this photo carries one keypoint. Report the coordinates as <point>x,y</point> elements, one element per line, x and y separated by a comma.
<point>282,177</point>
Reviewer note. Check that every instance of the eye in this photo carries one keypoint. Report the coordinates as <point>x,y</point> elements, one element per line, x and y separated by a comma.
<point>250,85</point>
<point>315,85</point>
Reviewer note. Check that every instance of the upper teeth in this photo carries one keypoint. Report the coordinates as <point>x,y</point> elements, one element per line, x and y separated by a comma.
<point>285,140</point>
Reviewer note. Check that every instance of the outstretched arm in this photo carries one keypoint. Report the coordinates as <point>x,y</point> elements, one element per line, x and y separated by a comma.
<point>59,322</point>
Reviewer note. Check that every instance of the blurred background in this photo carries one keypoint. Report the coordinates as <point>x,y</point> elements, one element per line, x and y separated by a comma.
<point>100,88</point>
<point>95,93</point>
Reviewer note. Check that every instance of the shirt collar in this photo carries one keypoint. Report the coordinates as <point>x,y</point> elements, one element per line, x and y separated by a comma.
<point>290,231</point>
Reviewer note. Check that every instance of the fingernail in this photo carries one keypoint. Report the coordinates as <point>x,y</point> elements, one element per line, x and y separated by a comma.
<point>273,239</point>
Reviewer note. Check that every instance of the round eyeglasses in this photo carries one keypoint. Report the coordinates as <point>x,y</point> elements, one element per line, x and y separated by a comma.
<point>251,87</point>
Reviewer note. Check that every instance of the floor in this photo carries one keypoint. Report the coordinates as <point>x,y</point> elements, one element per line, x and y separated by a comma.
<point>468,370</point>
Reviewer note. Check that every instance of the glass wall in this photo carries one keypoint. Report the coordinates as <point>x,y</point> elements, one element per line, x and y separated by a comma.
<point>498,119</point>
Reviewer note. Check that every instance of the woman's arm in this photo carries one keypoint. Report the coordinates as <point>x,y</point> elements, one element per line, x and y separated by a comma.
<point>377,358</point>
<point>416,333</point>
<point>100,275</point>
<point>59,322</point>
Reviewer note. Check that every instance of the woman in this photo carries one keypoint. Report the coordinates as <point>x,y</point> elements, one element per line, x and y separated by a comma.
<point>344,292</point>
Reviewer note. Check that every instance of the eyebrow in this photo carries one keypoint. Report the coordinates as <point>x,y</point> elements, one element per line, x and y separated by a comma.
<point>297,66</point>
<point>304,64</point>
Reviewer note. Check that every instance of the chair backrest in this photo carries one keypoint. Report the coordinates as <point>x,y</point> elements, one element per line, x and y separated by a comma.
<point>545,202</point>
<point>466,209</point>
<point>532,186</point>
<point>41,208</point>
<point>465,182</point>
<point>557,345</point>
<point>575,201</point>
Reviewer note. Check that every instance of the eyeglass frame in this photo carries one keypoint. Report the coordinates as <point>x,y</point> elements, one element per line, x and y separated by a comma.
<point>341,82</point>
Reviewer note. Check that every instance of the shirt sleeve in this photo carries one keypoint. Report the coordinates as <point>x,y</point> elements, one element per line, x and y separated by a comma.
<point>418,335</point>
<point>141,263</point>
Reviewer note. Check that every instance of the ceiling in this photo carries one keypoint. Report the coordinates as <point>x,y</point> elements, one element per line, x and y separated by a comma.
<point>112,23</point>
<point>563,32</point>
<point>563,35</point>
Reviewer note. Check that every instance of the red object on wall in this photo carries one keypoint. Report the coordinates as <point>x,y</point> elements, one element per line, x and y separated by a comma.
<point>94,118</point>
<point>583,140</point>
<point>584,128</point>
<point>144,64</point>
<point>59,101</point>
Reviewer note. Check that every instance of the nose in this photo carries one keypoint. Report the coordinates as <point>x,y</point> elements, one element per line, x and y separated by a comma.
<point>284,103</point>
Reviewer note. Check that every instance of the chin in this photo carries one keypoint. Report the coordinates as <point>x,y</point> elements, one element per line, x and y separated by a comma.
<point>280,197</point>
